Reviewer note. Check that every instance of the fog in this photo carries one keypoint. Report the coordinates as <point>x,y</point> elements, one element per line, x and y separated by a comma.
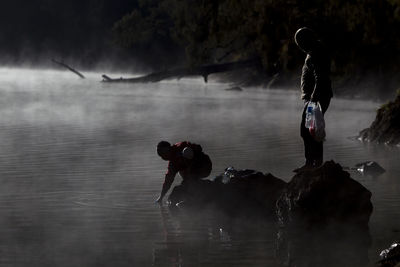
<point>79,173</point>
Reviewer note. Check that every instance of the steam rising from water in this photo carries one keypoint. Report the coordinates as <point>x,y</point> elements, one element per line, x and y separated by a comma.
<point>79,173</point>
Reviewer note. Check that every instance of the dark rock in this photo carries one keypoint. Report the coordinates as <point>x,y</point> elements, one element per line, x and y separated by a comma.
<point>369,168</point>
<point>386,126</point>
<point>390,257</point>
<point>199,193</point>
<point>320,195</point>
<point>234,192</point>
<point>325,194</point>
<point>248,190</point>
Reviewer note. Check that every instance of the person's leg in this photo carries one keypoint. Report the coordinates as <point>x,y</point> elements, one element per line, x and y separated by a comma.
<point>308,142</point>
<point>205,166</point>
<point>200,168</point>
<point>318,153</point>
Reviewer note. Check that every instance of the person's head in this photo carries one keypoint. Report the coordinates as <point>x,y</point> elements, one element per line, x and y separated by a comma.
<point>164,150</point>
<point>306,39</point>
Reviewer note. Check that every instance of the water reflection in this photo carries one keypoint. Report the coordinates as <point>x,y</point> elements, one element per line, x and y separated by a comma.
<point>79,174</point>
<point>209,239</point>
<point>330,245</point>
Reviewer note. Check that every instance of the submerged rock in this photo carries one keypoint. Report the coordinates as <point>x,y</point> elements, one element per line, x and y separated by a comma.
<point>234,191</point>
<point>369,168</point>
<point>386,126</point>
<point>390,257</point>
<point>325,194</point>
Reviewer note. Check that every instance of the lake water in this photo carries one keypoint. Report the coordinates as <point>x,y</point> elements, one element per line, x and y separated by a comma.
<point>79,173</point>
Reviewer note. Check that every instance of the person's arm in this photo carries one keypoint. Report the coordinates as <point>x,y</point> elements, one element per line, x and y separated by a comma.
<point>169,179</point>
<point>315,96</point>
<point>307,80</point>
<point>321,67</point>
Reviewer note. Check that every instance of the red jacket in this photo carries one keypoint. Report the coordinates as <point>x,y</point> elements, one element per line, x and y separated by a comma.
<point>177,163</point>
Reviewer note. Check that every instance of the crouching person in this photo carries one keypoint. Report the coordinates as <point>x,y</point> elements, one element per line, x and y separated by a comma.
<point>186,158</point>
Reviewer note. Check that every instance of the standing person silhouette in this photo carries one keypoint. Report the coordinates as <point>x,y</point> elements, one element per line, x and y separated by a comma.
<point>315,87</point>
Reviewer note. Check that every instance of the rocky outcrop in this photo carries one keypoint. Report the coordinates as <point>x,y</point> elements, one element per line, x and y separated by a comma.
<point>248,190</point>
<point>371,168</point>
<point>234,192</point>
<point>390,257</point>
<point>386,127</point>
<point>325,194</point>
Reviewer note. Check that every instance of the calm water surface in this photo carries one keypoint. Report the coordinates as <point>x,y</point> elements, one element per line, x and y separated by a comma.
<point>79,173</point>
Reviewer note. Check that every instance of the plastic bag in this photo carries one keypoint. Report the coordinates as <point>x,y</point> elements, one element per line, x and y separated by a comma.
<point>315,121</point>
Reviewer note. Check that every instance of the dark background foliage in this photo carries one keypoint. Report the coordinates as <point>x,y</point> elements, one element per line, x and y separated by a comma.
<point>361,35</point>
<point>35,30</point>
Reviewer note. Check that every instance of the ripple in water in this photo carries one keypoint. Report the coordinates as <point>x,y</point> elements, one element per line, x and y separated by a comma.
<point>79,173</point>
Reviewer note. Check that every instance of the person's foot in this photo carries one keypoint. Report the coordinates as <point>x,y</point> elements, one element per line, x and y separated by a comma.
<point>305,167</point>
<point>317,163</point>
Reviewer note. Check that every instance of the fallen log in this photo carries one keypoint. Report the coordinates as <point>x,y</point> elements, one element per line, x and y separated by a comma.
<point>178,73</point>
<point>69,68</point>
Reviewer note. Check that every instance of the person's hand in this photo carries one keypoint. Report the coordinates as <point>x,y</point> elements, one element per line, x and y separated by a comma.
<point>159,200</point>
<point>314,97</point>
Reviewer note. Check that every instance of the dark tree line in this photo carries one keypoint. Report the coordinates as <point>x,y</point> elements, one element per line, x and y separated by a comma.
<point>362,35</point>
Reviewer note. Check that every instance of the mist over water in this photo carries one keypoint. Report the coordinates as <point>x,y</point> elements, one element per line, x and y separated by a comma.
<point>79,173</point>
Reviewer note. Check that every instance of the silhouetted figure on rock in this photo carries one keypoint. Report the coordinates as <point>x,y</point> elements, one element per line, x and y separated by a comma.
<point>186,158</point>
<point>315,87</point>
